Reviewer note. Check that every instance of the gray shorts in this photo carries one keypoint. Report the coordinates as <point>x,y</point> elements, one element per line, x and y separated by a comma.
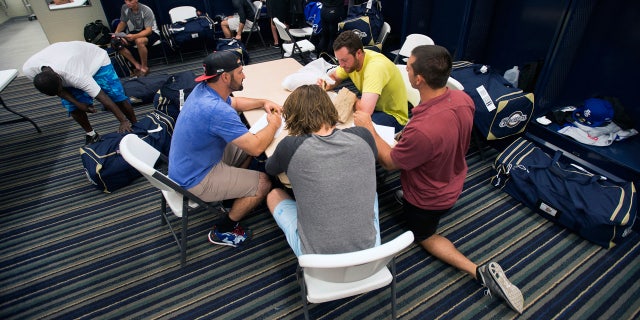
<point>226,180</point>
<point>234,23</point>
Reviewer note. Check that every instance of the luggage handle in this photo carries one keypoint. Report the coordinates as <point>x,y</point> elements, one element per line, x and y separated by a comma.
<point>554,167</point>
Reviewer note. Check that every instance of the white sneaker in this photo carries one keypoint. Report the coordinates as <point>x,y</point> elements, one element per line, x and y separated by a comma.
<point>492,277</point>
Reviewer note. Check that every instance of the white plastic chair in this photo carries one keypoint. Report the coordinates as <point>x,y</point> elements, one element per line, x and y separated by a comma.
<point>289,45</point>
<point>413,40</point>
<point>304,32</point>
<point>382,37</point>
<point>413,96</point>
<point>182,13</point>
<point>255,27</point>
<point>328,277</point>
<point>454,84</point>
<point>143,157</point>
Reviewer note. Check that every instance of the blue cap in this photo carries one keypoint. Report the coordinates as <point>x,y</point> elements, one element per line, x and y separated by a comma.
<point>594,113</point>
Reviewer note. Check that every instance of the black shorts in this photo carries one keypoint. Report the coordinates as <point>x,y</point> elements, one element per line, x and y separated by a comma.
<point>279,9</point>
<point>153,38</point>
<point>423,223</point>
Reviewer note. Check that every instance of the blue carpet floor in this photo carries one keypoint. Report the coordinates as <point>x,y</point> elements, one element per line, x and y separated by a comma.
<point>69,251</point>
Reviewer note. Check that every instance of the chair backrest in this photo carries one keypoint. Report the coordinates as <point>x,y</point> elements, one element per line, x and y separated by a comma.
<point>353,266</point>
<point>413,40</point>
<point>413,95</point>
<point>254,25</point>
<point>182,13</point>
<point>282,30</point>
<point>384,33</point>
<point>258,5</point>
<point>143,157</point>
<point>454,84</point>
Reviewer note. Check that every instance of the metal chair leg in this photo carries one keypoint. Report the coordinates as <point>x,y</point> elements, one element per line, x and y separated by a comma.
<point>303,292</point>
<point>183,238</point>
<point>22,117</point>
<point>393,289</point>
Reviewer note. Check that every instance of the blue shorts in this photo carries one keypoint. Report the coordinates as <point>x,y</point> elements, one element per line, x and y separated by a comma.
<point>286,216</point>
<point>108,81</point>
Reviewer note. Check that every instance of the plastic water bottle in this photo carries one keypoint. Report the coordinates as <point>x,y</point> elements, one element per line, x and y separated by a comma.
<point>511,75</point>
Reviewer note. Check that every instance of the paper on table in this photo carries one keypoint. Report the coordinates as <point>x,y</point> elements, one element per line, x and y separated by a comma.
<point>262,123</point>
<point>386,133</point>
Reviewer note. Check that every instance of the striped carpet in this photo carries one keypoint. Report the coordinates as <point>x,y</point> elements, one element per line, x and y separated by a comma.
<point>69,251</point>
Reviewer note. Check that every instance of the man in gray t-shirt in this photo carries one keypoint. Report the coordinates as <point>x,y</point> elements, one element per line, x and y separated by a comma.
<point>332,173</point>
<point>143,31</point>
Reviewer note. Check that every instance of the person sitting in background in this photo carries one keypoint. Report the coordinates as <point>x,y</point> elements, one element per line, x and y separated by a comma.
<point>331,213</point>
<point>384,95</point>
<point>278,9</point>
<point>331,14</point>
<point>246,11</point>
<point>78,72</point>
<point>211,147</point>
<point>143,31</point>
<point>430,155</point>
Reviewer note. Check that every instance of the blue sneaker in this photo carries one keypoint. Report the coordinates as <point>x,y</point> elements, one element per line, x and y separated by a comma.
<point>233,238</point>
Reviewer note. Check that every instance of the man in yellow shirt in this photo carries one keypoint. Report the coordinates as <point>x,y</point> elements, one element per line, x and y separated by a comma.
<point>384,95</point>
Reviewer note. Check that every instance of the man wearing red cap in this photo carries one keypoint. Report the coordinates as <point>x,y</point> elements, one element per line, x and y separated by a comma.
<point>211,147</point>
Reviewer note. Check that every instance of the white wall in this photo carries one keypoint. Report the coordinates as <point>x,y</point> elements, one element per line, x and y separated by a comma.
<point>66,24</point>
<point>14,8</point>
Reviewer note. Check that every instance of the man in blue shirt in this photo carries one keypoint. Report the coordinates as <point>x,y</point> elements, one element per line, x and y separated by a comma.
<point>211,147</point>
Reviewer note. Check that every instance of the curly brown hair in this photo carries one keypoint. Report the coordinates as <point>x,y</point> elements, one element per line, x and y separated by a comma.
<point>308,109</point>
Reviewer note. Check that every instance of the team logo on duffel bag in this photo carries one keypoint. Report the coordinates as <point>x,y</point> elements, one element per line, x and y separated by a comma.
<point>513,120</point>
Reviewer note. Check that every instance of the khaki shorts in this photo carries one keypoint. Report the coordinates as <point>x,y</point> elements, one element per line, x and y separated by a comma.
<point>234,23</point>
<point>226,180</point>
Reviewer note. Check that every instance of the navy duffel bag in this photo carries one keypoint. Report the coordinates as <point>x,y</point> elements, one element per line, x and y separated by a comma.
<point>501,109</point>
<point>106,169</point>
<point>592,206</point>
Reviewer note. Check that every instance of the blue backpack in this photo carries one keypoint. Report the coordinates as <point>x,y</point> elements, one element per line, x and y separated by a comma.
<point>312,15</point>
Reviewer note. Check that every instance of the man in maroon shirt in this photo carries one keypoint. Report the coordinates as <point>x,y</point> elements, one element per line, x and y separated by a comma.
<point>430,155</point>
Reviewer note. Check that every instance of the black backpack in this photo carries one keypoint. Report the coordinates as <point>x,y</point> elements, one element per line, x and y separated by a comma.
<point>97,33</point>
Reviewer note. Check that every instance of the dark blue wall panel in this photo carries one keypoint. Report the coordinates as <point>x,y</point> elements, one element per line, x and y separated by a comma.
<point>605,59</point>
<point>439,19</point>
<point>505,33</point>
<point>161,7</point>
